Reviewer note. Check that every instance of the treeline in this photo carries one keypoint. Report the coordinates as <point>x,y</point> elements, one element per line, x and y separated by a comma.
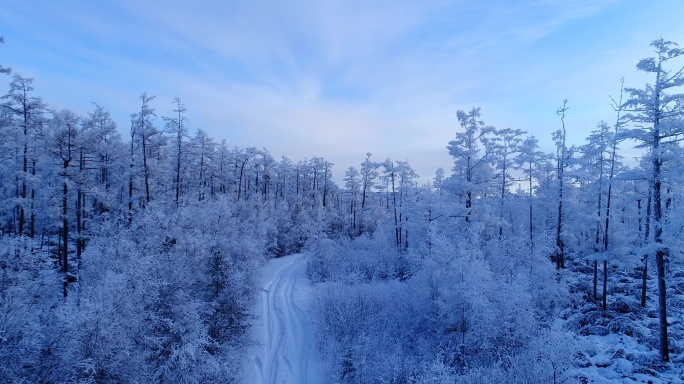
<point>522,263</point>
<point>133,259</point>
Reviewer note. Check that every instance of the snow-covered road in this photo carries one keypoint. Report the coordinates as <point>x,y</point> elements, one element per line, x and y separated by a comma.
<point>286,351</point>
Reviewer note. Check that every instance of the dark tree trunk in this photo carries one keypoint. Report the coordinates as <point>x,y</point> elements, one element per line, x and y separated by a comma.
<point>65,223</point>
<point>32,218</point>
<point>80,207</point>
<point>531,225</point>
<point>661,253</point>
<point>605,284</point>
<point>130,185</point>
<point>79,223</point>
<point>242,171</point>
<point>146,172</point>
<point>24,190</point>
<point>560,257</point>
<point>644,278</point>
<point>397,230</point>
<point>662,304</point>
<point>325,184</point>
<point>595,278</point>
<point>658,228</point>
<point>647,235</point>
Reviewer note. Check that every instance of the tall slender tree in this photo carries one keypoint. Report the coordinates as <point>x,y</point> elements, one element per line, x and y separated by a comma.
<point>657,110</point>
<point>505,144</point>
<point>65,129</point>
<point>530,159</point>
<point>146,130</point>
<point>471,156</point>
<point>176,125</point>
<point>351,186</point>
<point>27,112</point>
<point>204,148</point>
<point>595,162</point>
<point>561,153</point>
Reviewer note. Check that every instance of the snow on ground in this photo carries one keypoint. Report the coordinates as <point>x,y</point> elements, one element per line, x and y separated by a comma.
<point>285,352</point>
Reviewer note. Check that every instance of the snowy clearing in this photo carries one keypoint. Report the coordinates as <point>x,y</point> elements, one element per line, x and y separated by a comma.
<point>285,353</point>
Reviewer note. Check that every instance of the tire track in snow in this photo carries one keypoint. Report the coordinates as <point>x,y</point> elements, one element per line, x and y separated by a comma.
<point>286,354</point>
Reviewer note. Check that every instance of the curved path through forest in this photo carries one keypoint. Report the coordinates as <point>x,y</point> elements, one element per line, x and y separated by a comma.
<point>285,353</point>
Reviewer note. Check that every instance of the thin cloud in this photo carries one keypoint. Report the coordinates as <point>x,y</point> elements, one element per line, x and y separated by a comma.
<point>340,78</point>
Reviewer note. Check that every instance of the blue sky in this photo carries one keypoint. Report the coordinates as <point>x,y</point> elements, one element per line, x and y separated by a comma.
<point>340,78</point>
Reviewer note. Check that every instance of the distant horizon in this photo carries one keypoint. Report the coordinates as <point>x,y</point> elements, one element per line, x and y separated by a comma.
<point>340,79</point>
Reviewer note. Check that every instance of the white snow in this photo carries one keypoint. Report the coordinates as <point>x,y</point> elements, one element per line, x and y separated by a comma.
<point>286,352</point>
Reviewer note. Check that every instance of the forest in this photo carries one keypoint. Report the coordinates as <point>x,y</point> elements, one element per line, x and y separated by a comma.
<point>131,254</point>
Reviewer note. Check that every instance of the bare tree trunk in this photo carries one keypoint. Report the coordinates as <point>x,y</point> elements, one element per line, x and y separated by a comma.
<point>80,207</point>
<point>178,167</point>
<point>146,172</point>
<point>32,218</point>
<point>397,230</point>
<point>560,257</point>
<point>503,194</point>
<point>530,198</point>
<point>130,182</point>
<point>605,284</point>
<point>65,222</point>
<point>657,217</point>
<point>662,304</point>
<point>643,281</point>
<point>595,278</point>
<point>242,171</point>
<point>647,236</point>
<point>179,144</point>
<point>325,182</point>
<point>661,253</point>
<point>22,214</point>
<point>469,192</point>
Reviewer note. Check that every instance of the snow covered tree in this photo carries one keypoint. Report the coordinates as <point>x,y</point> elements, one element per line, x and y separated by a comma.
<point>561,163</point>
<point>103,150</point>
<point>529,159</point>
<point>369,175</point>
<point>64,127</point>
<point>203,148</point>
<point>505,144</point>
<point>657,112</point>
<point>26,112</point>
<point>242,158</point>
<point>390,175</point>
<point>146,132</point>
<point>597,165</point>
<point>352,185</point>
<point>177,127</point>
<point>471,171</point>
